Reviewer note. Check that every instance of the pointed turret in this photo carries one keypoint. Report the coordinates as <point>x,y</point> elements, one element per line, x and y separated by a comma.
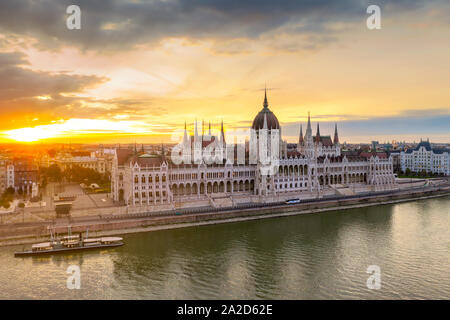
<point>265,104</point>
<point>163,152</point>
<point>195,129</point>
<point>222,134</point>
<point>308,127</point>
<point>336,137</point>
<point>318,134</point>
<point>209,129</point>
<point>185,136</point>
<point>300,138</point>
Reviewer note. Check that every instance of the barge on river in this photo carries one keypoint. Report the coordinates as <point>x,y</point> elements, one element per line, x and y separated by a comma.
<point>71,243</point>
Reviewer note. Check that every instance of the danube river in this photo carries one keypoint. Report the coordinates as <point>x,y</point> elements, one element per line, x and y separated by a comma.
<point>314,256</point>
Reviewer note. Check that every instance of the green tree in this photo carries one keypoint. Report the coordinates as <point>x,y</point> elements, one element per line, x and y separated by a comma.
<point>54,173</point>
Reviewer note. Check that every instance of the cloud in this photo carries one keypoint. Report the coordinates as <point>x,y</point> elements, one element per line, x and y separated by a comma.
<point>26,93</point>
<point>122,24</point>
<point>422,121</point>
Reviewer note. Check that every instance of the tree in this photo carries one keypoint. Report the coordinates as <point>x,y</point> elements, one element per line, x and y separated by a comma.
<point>10,190</point>
<point>54,173</point>
<point>44,182</point>
<point>6,198</point>
<point>87,175</point>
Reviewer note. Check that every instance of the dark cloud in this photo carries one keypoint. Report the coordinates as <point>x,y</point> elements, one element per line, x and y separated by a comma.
<point>143,22</point>
<point>13,59</point>
<point>17,82</point>
<point>20,87</point>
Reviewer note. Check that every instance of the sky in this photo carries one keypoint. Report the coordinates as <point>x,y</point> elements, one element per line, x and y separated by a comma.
<point>137,70</point>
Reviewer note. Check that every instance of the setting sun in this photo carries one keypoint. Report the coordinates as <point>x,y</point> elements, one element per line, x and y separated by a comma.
<point>29,134</point>
<point>76,127</point>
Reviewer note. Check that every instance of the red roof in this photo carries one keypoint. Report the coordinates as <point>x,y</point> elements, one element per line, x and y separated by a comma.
<point>123,155</point>
<point>293,154</point>
<point>326,141</point>
<point>368,155</point>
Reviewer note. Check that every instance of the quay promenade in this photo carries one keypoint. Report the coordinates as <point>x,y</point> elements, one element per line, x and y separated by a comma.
<point>107,224</point>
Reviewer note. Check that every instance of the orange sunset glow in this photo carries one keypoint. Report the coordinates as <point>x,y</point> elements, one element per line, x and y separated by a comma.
<point>122,79</point>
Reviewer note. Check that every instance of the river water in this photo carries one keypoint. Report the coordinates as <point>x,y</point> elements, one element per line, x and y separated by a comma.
<point>314,256</point>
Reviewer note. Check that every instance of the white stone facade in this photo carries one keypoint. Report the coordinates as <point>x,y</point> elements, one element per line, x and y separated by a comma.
<point>143,180</point>
<point>6,174</point>
<point>425,158</point>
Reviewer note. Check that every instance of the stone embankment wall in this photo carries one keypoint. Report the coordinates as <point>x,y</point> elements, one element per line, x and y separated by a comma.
<point>23,233</point>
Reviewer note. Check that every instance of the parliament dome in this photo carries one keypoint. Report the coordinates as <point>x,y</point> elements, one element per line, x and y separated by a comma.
<point>272,121</point>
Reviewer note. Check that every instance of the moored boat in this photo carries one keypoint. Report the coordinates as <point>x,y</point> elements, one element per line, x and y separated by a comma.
<point>71,243</point>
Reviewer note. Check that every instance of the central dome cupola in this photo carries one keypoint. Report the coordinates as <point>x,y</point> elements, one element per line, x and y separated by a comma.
<point>272,121</point>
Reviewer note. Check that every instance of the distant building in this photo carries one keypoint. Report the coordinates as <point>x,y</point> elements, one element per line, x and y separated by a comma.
<point>425,158</point>
<point>396,160</point>
<point>25,174</point>
<point>375,145</point>
<point>6,174</point>
<point>100,160</point>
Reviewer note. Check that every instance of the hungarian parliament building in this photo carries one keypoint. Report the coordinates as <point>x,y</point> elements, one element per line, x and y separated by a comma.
<point>206,170</point>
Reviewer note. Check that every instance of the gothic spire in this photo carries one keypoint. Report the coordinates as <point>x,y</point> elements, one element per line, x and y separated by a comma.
<point>308,128</point>
<point>195,130</point>
<point>336,138</point>
<point>266,104</point>
<point>163,152</point>
<point>185,136</point>
<point>318,133</point>
<point>222,133</point>
<point>300,138</point>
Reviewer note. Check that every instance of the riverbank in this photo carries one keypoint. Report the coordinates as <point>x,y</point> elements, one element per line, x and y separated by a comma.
<point>30,233</point>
